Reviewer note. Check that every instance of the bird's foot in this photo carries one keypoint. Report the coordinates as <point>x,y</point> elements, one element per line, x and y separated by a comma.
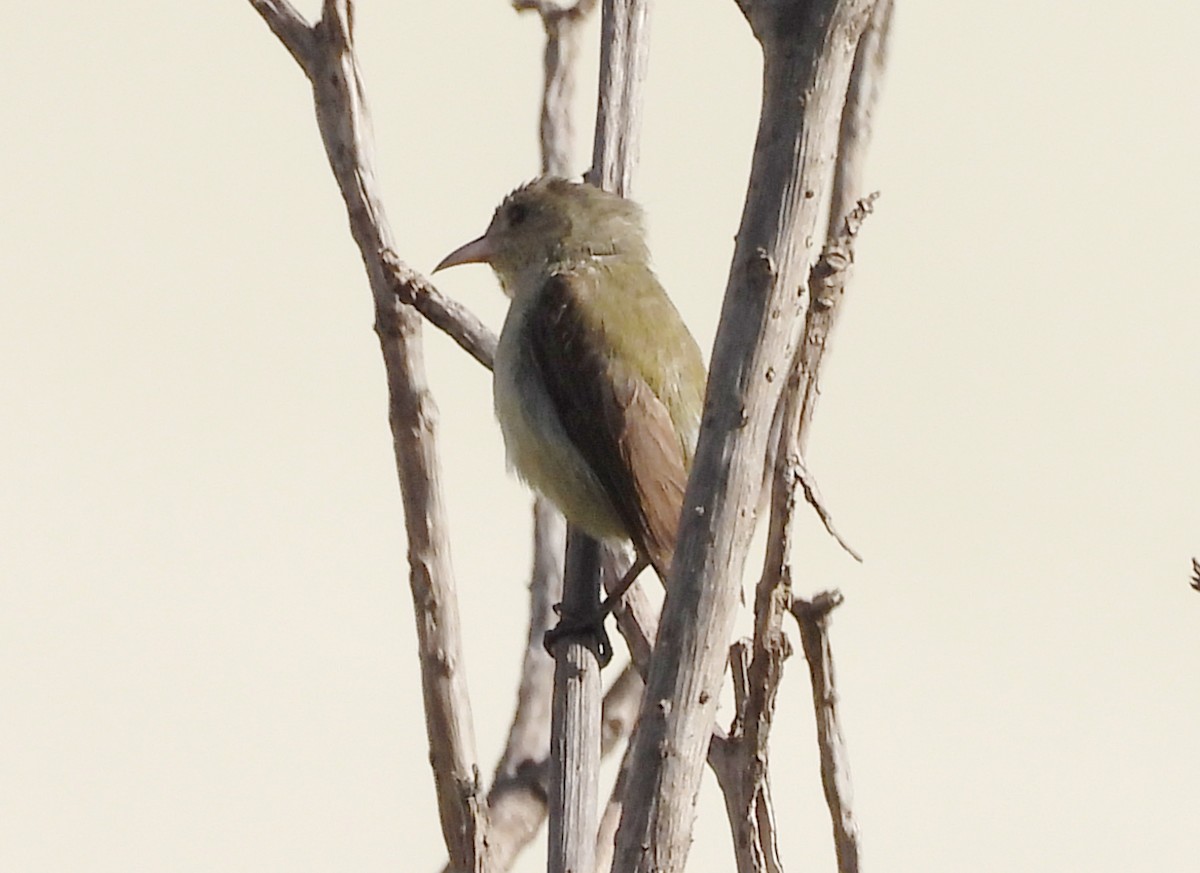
<point>588,629</point>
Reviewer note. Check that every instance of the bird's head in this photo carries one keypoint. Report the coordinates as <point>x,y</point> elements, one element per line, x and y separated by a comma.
<point>552,223</point>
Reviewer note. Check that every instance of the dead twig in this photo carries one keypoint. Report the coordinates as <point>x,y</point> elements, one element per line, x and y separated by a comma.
<point>325,52</point>
<point>812,616</point>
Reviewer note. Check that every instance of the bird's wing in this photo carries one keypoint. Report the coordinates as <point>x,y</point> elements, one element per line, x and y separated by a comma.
<point>611,415</point>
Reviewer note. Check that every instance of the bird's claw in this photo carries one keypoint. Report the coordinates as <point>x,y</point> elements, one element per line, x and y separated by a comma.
<point>589,629</point>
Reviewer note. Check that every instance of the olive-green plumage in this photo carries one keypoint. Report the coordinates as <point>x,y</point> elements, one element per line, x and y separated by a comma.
<point>598,383</point>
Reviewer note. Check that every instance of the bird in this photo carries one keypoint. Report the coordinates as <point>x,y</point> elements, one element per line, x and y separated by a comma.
<point>598,384</point>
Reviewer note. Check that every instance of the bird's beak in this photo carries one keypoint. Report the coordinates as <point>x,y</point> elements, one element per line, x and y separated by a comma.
<point>477,251</point>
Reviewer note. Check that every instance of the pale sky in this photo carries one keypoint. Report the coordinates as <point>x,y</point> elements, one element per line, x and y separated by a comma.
<point>207,657</point>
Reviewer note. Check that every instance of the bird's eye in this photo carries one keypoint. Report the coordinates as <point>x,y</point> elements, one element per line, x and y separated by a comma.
<point>516,214</point>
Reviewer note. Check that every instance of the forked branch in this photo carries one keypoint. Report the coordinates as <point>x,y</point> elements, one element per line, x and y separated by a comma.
<point>325,53</point>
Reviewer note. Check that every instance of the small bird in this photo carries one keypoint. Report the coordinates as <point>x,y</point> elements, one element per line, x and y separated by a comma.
<point>598,385</point>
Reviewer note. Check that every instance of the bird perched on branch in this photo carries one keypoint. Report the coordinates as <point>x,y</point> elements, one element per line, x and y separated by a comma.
<point>598,384</point>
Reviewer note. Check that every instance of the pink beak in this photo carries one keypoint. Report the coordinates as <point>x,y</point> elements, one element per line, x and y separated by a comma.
<point>477,251</point>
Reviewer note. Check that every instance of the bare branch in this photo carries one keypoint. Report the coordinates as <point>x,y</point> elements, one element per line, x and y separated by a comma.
<point>638,623</point>
<point>327,56</point>
<point>637,617</point>
<point>746,784</point>
<point>749,808</point>
<point>803,478</point>
<point>517,803</point>
<point>563,26</point>
<point>624,51</point>
<point>808,51</point>
<point>740,763</point>
<point>827,284</point>
<point>854,136</point>
<point>620,709</point>
<point>719,759</point>
<point>607,829</point>
<point>742,767</point>
<point>611,817</point>
<point>739,669</point>
<point>774,593</point>
<point>637,620</point>
<point>291,28</point>
<point>575,725</point>
<point>517,799</point>
<point>813,619</point>
<point>450,316</point>
<point>621,705</point>
<point>624,55</point>
<point>858,116</point>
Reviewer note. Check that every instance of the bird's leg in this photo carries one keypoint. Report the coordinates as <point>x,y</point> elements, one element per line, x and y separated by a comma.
<point>593,625</point>
<point>614,596</point>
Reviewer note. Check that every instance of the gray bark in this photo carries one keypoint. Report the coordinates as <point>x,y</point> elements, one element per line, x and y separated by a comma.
<point>808,51</point>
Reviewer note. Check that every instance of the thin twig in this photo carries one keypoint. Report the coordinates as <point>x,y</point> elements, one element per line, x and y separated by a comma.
<point>813,619</point>
<point>444,313</point>
<point>813,497</point>
<point>854,137</point>
<point>827,283</point>
<point>291,28</point>
<point>326,54</point>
